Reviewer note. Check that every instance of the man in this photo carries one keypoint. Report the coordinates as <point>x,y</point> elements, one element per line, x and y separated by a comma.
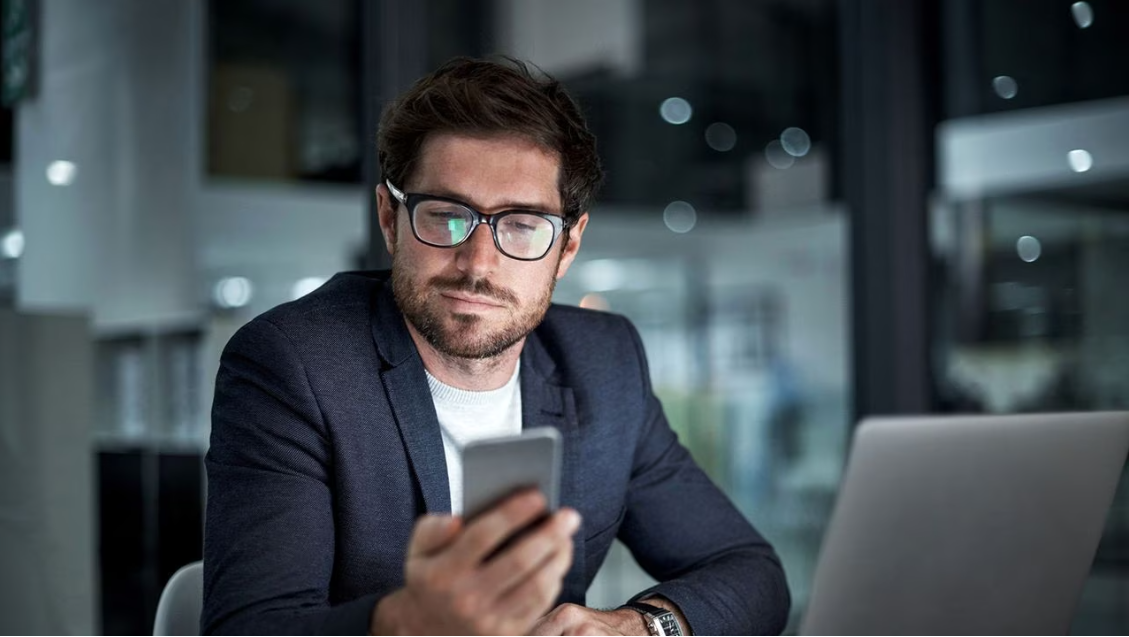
<point>337,420</point>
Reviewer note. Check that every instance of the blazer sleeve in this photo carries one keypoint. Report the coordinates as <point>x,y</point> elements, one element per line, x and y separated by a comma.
<point>269,533</point>
<point>710,561</point>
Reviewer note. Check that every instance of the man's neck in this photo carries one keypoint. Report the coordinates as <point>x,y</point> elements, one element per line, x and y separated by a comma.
<point>470,374</point>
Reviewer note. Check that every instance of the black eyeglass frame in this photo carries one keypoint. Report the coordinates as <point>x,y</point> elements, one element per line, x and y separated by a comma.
<point>412,199</point>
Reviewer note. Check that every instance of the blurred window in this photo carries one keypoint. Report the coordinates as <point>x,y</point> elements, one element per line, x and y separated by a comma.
<point>1030,236</point>
<point>1012,54</point>
<point>284,90</point>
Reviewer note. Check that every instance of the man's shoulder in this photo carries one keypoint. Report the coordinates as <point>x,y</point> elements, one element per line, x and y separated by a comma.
<point>578,319</point>
<point>599,355</point>
<point>587,333</point>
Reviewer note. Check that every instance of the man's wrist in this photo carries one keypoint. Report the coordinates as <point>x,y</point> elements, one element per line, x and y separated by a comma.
<point>657,611</point>
<point>629,622</point>
<point>382,622</point>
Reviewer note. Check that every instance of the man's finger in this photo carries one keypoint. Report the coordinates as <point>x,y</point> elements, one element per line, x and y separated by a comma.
<point>432,533</point>
<point>489,530</point>
<point>532,552</point>
<point>545,627</point>
<point>535,596</point>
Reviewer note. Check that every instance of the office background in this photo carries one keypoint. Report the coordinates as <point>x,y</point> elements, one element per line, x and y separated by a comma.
<point>815,210</point>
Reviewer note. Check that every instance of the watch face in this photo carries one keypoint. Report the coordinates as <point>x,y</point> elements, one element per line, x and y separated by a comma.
<point>670,624</point>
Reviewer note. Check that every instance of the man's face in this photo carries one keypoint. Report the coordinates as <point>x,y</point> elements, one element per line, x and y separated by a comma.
<point>472,301</point>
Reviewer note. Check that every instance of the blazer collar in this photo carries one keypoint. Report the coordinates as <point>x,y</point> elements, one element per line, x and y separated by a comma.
<point>389,331</point>
<point>405,384</point>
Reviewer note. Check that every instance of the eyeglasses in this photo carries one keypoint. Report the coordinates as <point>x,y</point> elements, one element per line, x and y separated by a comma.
<point>524,235</point>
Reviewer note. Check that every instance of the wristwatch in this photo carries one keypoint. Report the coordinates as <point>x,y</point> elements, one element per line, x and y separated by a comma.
<point>660,621</point>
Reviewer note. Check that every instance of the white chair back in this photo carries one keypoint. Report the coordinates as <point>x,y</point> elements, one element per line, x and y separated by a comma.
<point>178,611</point>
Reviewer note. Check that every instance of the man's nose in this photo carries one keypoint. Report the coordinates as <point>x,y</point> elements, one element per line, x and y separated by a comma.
<point>479,256</point>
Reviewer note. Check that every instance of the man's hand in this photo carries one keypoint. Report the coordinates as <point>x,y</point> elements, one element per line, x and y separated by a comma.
<point>451,587</point>
<point>570,619</point>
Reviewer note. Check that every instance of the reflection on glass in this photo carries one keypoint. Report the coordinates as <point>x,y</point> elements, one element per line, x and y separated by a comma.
<point>676,110</point>
<point>61,173</point>
<point>233,292</point>
<point>777,156</point>
<point>12,244</point>
<point>680,217</point>
<point>795,141</point>
<point>1028,248</point>
<point>1083,14</point>
<point>721,137</point>
<point>1005,86</point>
<point>1080,160</point>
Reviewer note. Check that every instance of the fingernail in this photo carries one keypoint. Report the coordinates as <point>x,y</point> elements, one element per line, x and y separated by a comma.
<point>572,520</point>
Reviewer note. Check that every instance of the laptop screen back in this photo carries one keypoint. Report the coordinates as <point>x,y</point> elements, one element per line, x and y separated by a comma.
<point>958,525</point>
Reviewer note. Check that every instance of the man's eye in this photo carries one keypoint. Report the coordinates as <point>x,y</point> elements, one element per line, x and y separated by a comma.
<point>522,225</point>
<point>444,215</point>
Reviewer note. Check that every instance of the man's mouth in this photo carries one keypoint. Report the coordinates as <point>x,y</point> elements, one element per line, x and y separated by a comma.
<point>471,299</point>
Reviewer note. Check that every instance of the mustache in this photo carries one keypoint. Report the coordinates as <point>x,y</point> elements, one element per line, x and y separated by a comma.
<point>477,287</point>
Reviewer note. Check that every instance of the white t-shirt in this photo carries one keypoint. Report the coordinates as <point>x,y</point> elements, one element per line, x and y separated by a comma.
<point>465,416</point>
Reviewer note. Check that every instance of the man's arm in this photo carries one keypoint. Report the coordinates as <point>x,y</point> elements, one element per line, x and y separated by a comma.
<point>716,573</point>
<point>712,565</point>
<point>269,538</point>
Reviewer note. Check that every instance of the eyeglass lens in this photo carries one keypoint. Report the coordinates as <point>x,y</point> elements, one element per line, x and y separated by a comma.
<point>520,235</point>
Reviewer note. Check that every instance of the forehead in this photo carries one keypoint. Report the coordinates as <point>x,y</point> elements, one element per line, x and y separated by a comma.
<point>489,172</point>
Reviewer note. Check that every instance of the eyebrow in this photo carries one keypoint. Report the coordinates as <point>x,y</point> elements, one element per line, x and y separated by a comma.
<point>505,205</point>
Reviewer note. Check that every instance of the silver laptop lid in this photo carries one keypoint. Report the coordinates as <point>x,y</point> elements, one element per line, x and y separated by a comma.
<point>967,525</point>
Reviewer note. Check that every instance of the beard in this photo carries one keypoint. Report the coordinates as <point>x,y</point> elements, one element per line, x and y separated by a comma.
<point>460,335</point>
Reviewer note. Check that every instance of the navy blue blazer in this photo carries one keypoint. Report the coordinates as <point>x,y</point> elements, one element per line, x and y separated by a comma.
<point>325,449</point>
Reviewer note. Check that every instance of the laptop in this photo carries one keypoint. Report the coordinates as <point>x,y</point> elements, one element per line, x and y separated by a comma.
<point>967,525</point>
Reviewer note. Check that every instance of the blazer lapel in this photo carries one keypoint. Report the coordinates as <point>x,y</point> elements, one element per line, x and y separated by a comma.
<point>406,386</point>
<point>419,427</point>
<point>547,403</point>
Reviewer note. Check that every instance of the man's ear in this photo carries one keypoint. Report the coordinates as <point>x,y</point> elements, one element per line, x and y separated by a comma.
<point>386,215</point>
<point>575,234</point>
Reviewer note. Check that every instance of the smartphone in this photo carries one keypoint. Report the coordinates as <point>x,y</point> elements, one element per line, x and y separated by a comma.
<point>496,468</point>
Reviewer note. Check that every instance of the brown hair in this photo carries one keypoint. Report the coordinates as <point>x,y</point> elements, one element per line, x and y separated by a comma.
<point>487,97</point>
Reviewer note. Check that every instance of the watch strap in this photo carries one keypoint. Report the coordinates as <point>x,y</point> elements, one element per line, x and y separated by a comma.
<point>653,615</point>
